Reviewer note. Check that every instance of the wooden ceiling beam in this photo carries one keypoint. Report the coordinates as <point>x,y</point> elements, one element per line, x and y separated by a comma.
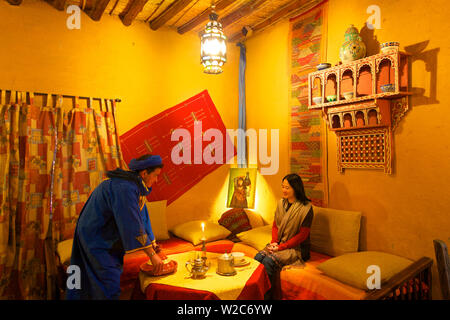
<point>203,17</point>
<point>57,4</point>
<point>290,9</point>
<point>169,13</point>
<point>133,8</point>
<point>97,11</point>
<point>241,12</point>
<point>14,2</point>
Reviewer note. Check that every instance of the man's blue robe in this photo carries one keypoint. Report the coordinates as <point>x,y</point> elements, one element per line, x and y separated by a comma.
<point>110,224</point>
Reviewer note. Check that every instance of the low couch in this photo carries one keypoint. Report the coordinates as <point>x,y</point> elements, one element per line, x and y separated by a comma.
<point>335,271</point>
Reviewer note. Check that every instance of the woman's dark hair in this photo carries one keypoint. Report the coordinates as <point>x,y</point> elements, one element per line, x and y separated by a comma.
<point>149,169</point>
<point>296,183</point>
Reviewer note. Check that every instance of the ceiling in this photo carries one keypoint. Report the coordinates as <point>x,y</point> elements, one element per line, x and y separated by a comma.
<point>192,15</point>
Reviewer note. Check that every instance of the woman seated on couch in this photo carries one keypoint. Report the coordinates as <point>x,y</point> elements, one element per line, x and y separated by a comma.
<point>290,231</point>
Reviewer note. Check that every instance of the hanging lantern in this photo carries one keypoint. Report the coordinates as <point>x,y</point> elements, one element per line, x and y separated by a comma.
<point>213,46</point>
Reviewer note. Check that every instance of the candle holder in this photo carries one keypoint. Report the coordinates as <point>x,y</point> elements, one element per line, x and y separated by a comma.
<point>203,239</point>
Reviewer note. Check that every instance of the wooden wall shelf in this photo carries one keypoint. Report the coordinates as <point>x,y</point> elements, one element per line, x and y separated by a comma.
<point>387,95</point>
<point>370,114</point>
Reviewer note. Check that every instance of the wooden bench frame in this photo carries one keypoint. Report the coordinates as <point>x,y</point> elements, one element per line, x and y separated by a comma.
<point>407,280</point>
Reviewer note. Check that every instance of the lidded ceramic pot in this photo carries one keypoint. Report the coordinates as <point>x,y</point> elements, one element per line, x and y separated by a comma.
<point>353,48</point>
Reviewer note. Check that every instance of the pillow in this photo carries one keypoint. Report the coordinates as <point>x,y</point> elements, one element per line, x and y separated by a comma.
<point>351,268</point>
<point>335,232</point>
<point>255,219</point>
<point>236,221</point>
<point>192,231</point>
<point>64,250</point>
<point>157,214</point>
<point>257,238</point>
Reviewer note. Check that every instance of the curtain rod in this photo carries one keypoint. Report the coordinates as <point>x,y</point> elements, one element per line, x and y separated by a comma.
<point>63,95</point>
<point>72,96</point>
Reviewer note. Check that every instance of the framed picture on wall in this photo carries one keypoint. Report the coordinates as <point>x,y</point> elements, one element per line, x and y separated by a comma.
<point>241,188</point>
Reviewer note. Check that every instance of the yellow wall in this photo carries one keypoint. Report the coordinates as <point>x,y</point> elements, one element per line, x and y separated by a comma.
<point>267,100</point>
<point>150,71</point>
<point>405,211</point>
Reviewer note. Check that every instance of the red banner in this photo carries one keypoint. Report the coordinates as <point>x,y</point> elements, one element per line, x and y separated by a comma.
<point>193,118</point>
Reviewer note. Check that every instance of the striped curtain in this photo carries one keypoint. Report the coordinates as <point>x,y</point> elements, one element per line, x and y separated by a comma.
<point>51,157</point>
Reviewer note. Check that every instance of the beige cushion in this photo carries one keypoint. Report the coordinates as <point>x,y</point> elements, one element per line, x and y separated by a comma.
<point>157,214</point>
<point>335,232</point>
<point>257,238</point>
<point>192,231</point>
<point>351,268</point>
<point>64,250</point>
<point>255,218</point>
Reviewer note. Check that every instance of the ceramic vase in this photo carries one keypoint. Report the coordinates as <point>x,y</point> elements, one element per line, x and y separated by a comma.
<point>353,48</point>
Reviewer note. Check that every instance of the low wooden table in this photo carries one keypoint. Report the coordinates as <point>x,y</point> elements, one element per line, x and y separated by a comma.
<point>250,283</point>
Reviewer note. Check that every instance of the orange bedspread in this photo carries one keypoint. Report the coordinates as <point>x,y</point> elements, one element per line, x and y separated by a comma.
<point>311,284</point>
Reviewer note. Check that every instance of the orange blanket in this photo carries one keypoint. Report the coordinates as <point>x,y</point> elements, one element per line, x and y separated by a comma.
<point>310,283</point>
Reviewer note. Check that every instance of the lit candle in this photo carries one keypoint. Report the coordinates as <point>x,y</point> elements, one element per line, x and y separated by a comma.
<point>203,231</point>
<point>203,244</point>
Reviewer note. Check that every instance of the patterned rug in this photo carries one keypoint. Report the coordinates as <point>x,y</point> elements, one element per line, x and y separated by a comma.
<point>154,136</point>
<point>308,138</point>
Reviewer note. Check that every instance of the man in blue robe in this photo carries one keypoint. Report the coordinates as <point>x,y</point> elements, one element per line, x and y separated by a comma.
<point>114,221</point>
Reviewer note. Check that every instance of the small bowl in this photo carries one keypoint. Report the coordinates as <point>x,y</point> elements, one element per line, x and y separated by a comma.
<point>348,95</point>
<point>238,257</point>
<point>331,97</point>
<point>317,100</point>
<point>389,46</point>
<point>323,66</point>
<point>387,88</point>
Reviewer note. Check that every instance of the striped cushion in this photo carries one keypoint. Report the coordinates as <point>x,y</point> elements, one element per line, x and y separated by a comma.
<point>236,221</point>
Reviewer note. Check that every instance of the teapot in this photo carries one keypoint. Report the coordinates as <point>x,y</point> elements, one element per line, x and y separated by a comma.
<point>225,265</point>
<point>198,268</point>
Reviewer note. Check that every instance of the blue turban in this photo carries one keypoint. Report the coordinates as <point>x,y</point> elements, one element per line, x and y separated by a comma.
<point>138,165</point>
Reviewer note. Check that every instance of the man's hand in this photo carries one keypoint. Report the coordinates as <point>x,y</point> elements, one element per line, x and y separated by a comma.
<point>157,263</point>
<point>155,259</point>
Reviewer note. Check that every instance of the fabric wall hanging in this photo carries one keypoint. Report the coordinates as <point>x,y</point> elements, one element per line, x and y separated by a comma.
<point>242,145</point>
<point>308,133</point>
<point>153,136</point>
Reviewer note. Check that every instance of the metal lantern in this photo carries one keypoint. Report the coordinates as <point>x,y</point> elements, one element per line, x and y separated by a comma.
<point>213,46</point>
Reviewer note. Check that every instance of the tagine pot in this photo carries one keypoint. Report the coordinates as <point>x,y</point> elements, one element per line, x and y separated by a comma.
<point>353,48</point>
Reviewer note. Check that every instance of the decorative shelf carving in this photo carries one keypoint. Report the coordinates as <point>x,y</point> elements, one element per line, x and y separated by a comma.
<point>365,121</point>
